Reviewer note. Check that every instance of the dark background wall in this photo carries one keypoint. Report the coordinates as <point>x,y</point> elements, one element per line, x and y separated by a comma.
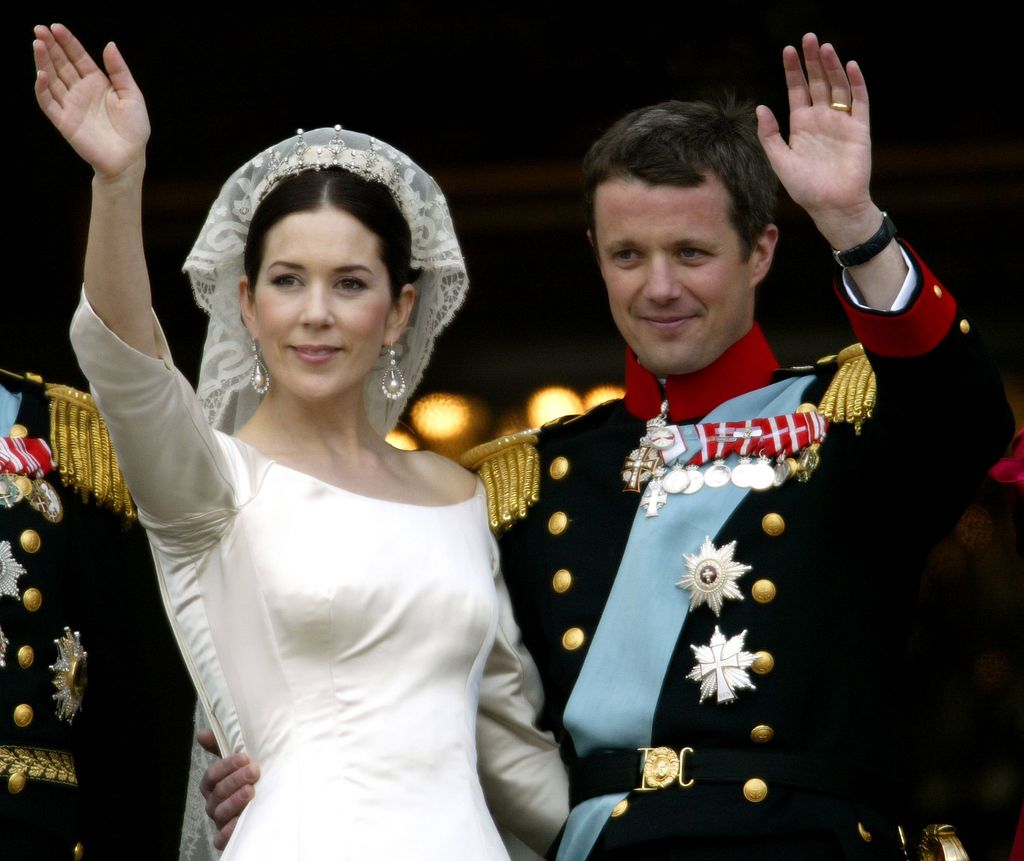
<point>500,105</point>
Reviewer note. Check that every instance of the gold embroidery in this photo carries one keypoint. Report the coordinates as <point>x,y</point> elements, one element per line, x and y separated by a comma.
<point>52,766</point>
<point>850,396</point>
<point>509,468</point>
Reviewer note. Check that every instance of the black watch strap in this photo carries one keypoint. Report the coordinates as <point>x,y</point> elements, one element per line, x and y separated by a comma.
<point>866,250</point>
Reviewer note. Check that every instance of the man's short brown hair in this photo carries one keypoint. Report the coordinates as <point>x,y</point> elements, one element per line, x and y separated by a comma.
<point>680,143</point>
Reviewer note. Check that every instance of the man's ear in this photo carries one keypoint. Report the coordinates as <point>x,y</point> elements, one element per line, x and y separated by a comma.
<point>762,254</point>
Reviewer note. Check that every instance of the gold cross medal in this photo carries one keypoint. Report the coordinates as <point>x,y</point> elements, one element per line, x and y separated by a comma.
<point>645,461</point>
<point>711,576</point>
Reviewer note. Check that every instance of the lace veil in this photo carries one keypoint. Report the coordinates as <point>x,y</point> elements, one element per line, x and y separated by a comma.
<point>215,265</point>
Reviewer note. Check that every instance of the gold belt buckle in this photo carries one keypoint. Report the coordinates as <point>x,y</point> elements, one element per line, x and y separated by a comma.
<point>661,767</point>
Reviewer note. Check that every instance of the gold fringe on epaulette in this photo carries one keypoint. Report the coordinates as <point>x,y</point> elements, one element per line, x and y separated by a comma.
<point>850,396</point>
<point>83,452</point>
<point>509,468</point>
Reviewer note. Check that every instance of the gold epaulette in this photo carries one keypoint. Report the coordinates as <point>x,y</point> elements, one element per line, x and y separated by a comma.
<point>940,843</point>
<point>509,467</point>
<point>83,452</point>
<point>850,396</point>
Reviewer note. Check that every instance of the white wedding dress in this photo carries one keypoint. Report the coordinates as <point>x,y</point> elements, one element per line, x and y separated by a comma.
<point>343,642</point>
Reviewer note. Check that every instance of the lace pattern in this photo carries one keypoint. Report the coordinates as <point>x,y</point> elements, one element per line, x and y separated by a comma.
<point>214,266</point>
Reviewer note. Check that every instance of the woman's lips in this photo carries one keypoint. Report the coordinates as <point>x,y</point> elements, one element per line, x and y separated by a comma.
<point>315,352</point>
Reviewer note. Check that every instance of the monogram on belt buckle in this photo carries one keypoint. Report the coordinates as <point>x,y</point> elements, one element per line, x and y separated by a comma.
<point>663,766</point>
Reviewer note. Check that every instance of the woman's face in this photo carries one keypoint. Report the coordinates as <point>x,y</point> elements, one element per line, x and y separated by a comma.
<point>322,305</point>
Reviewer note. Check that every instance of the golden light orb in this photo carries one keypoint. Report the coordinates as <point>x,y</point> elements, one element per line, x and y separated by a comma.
<point>551,403</point>
<point>599,394</point>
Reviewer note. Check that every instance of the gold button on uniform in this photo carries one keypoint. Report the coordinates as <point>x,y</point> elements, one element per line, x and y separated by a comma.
<point>559,467</point>
<point>965,327</point>
<point>16,782</point>
<point>26,655</point>
<point>761,734</point>
<point>32,599</point>
<point>773,524</point>
<point>23,715</point>
<point>755,790</point>
<point>30,541</point>
<point>865,835</point>
<point>557,523</point>
<point>807,408</point>
<point>562,580</point>
<point>763,663</point>
<point>573,639</point>
<point>620,808</point>
<point>18,431</point>
<point>79,852</point>
<point>763,591</point>
<point>937,290</point>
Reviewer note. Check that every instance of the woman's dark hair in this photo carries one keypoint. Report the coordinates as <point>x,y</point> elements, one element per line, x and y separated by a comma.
<point>369,202</point>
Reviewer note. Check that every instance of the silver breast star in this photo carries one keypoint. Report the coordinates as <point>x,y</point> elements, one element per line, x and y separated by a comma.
<point>711,576</point>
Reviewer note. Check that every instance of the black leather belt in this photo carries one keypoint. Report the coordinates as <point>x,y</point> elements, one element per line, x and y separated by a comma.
<point>649,769</point>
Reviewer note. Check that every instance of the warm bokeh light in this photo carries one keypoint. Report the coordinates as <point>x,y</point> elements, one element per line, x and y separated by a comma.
<point>599,394</point>
<point>510,422</point>
<point>441,415</point>
<point>402,439</point>
<point>550,403</point>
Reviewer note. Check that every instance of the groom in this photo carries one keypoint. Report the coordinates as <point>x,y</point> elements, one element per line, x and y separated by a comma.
<point>719,647</point>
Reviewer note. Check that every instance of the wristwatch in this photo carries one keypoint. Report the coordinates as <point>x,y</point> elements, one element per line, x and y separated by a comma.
<point>866,250</point>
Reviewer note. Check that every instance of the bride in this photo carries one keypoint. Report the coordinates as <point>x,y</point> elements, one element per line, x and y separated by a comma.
<point>337,601</point>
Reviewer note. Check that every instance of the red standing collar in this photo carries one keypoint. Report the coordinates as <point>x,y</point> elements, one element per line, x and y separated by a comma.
<point>746,365</point>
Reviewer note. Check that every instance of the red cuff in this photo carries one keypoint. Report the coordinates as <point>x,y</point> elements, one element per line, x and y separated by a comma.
<point>915,330</point>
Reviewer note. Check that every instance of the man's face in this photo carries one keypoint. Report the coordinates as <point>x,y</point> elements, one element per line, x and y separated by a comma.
<point>680,290</point>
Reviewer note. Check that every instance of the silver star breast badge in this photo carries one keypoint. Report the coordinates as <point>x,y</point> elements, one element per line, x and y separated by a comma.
<point>69,675</point>
<point>711,576</point>
<point>10,570</point>
<point>721,667</point>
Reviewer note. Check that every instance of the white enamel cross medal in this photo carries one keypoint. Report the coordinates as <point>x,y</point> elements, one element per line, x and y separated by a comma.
<point>654,498</point>
<point>721,667</point>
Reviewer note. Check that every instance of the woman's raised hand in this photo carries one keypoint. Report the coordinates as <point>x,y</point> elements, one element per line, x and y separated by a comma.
<point>102,115</point>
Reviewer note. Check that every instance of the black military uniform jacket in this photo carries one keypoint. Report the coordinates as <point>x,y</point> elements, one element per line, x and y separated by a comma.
<point>827,609</point>
<point>69,785</point>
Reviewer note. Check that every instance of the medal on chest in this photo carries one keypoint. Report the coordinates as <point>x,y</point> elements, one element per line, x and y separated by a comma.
<point>711,576</point>
<point>721,667</point>
<point>770,451</point>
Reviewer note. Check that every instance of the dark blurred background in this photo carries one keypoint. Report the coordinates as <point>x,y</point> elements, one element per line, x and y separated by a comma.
<point>500,106</point>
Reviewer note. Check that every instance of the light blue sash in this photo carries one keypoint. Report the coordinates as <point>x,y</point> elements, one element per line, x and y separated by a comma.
<point>613,701</point>
<point>10,403</point>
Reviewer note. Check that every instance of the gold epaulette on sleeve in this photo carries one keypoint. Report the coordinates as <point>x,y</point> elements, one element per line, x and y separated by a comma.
<point>83,452</point>
<point>940,843</point>
<point>850,396</point>
<point>509,467</point>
